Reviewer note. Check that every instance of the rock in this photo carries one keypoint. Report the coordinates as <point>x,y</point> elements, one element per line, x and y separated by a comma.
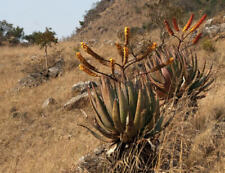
<point>81,87</point>
<point>77,102</point>
<point>109,42</point>
<point>49,101</point>
<point>16,114</point>
<point>222,27</point>
<point>92,42</point>
<point>56,69</point>
<point>53,72</point>
<point>212,30</point>
<point>91,161</point>
<point>32,80</point>
<point>208,22</point>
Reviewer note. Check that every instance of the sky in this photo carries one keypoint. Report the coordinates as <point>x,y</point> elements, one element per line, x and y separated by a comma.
<point>62,16</point>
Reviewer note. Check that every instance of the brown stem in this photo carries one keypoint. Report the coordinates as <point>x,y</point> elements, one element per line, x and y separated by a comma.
<point>46,57</point>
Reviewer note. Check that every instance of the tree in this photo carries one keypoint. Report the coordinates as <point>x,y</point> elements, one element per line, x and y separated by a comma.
<point>33,38</point>
<point>5,27</point>
<point>15,35</point>
<point>9,33</point>
<point>45,40</point>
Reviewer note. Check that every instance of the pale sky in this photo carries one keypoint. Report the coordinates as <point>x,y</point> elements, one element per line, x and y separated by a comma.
<point>34,15</point>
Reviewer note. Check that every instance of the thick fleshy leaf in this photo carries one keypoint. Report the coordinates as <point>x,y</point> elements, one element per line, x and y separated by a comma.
<point>101,109</point>
<point>123,105</point>
<point>107,134</point>
<point>132,94</point>
<point>137,117</point>
<point>116,117</point>
<point>101,138</point>
<point>108,94</point>
<point>130,128</point>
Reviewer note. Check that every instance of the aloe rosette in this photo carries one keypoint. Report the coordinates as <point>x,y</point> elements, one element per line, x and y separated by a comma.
<point>124,111</point>
<point>182,76</point>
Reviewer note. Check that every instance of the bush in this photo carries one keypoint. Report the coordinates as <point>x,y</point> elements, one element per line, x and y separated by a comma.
<point>9,33</point>
<point>208,46</point>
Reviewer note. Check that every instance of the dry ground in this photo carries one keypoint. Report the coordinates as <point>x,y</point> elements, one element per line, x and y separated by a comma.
<point>37,140</point>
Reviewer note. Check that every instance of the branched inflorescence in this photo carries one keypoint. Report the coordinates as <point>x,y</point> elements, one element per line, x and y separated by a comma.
<point>126,61</point>
<point>125,108</point>
<point>183,75</point>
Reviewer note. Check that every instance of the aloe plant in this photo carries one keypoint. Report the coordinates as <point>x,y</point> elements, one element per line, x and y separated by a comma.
<point>182,76</point>
<point>124,111</point>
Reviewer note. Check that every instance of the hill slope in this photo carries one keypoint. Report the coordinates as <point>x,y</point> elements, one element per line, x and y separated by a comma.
<point>110,16</point>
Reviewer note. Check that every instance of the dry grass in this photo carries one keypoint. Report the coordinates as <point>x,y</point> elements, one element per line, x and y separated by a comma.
<point>50,137</point>
<point>37,140</point>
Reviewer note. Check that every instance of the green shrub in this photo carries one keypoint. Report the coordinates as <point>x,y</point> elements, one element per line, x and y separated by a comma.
<point>208,46</point>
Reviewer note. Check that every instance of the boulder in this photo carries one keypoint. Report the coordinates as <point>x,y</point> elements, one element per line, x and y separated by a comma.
<point>53,72</point>
<point>222,27</point>
<point>77,102</point>
<point>208,22</point>
<point>81,87</point>
<point>211,30</point>
<point>32,80</point>
<point>56,69</point>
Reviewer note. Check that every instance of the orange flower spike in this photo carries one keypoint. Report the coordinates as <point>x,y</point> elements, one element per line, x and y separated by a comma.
<point>88,71</point>
<point>112,64</point>
<point>120,49</point>
<point>80,57</point>
<point>197,38</point>
<point>126,34</point>
<point>199,23</point>
<point>168,28</point>
<point>175,24</point>
<point>125,55</point>
<point>186,27</point>
<point>84,62</point>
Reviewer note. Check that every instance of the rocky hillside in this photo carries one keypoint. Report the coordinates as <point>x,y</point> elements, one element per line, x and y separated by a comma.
<point>40,109</point>
<point>108,17</point>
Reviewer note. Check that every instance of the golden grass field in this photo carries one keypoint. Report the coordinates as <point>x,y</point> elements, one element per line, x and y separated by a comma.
<point>50,141</point>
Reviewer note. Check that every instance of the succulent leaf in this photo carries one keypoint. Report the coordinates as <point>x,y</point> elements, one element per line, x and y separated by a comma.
<point>101,109</point>
<point>108,95</point>
<point>137,117</point>
<point>116,117</point>
<point>123,105</point>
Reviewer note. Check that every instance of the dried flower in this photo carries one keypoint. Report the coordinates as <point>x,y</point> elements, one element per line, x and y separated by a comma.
<point>199,23</point>
<point>186,27</point>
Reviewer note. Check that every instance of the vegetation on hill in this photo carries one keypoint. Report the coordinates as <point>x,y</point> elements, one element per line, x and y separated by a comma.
<point>49,139</point>
<point>141,14</point>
